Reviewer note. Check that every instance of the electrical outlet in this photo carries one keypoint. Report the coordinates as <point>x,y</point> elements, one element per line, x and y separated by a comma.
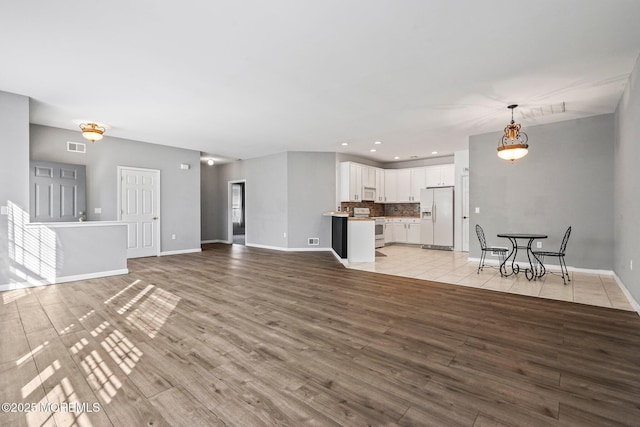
<point>477,210</point>
<point>539,245</point>
<point>97,210</point>
<point>313,241</point>
<point>173,237</point>
<point>4,210</point>
<point>284,235</point>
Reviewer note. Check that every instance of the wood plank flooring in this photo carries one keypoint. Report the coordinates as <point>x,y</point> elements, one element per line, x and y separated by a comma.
<point>237,336</point>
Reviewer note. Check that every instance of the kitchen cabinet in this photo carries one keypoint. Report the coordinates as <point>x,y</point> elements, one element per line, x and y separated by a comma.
<point>403,186</point>
<point>380,187</point>
<point>406,230</point>
<point>441,175</point>
<point>418,182</point>
<point>390,185</point>
<point>388,231</point>
<point>350,182</point>
<point>368,176</point>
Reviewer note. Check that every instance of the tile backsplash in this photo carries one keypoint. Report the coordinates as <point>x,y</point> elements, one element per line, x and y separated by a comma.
<point>386,209</point>
<point>402,209</point>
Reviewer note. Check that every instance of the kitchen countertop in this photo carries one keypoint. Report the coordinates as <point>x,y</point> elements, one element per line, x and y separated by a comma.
<point>335,213</point>
<point>360,219</point>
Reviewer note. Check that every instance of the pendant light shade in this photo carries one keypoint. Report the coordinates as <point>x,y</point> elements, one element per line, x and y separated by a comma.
<point>513,144</point>
<point>92,131</point>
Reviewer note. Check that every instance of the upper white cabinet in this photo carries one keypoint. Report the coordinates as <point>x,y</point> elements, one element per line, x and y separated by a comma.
<point>380,188</point>
<point>390,185</point>
<point>418,182</point>
<point>350,182</point>
<point>441,175</point>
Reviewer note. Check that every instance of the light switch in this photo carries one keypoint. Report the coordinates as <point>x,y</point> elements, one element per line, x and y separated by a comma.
<point>97,210</point>
<point>477,210</point>
<point>4,210</point>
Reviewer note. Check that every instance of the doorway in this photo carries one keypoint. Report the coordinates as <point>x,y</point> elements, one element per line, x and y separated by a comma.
<point>139,208</point>
<point>237,212</point>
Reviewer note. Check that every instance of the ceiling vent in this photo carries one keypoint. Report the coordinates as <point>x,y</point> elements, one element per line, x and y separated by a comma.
<point>542,110</point>
<point>76,147</point>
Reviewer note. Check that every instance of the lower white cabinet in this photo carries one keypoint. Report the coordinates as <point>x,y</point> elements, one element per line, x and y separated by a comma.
<point>388,231</point>
<point>405,230</point>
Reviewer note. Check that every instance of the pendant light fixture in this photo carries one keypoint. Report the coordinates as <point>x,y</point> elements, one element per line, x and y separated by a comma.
<point>513,144</point>
<point>92,131</point>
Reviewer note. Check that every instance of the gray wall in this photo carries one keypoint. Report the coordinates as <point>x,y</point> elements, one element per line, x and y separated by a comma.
<point>566,179</point>
<point>285,193</point>
<point>179,189</point>
<point>14,168</point>
<point>627,186</point>
<point>265,199</point>
<point>311,191</point>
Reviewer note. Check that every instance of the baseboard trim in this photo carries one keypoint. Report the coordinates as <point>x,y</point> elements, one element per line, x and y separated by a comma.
<point>627,294</point>
<point>552,267</point>
<point>343,261</point>
<point>204,242</point>
<point>58,280</point>
<point>278,248</point>
<point>181,251</point>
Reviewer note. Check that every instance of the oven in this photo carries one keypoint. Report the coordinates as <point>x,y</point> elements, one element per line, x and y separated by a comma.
<point>379,221</point>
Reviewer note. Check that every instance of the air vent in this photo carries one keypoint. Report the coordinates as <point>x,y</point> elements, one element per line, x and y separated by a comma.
<point>76,147</point>
<point>542,110</point>
<point>314,241</point>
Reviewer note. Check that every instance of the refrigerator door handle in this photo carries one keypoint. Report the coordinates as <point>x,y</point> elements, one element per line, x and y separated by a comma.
<point>433,214</point>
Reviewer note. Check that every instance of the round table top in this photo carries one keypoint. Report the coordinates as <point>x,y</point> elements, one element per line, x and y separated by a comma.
<point>523,236</point>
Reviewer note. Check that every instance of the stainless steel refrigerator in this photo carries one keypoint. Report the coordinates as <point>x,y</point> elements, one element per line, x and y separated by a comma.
<point>436,214</point>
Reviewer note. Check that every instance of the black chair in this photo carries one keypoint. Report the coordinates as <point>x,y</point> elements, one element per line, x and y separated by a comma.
<point>483,246</point>
<point>560,254</point>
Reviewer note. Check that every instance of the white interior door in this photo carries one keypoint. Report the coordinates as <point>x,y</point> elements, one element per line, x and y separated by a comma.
<point>465,213</point>
<point>140,209</point>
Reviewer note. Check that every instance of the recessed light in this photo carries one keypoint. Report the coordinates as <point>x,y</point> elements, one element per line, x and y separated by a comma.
<point>373,150</point>
<point>434,152</point>
<point>396,157</point>
<point>413,157</point>
<point>210,162</point>
<point>344,144</point>
<point>378,142</point>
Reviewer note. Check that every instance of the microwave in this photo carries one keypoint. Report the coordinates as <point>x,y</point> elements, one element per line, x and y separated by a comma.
<point>368,193</point>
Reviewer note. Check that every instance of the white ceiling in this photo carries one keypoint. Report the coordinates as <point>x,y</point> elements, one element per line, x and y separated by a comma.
<point>242,79</point>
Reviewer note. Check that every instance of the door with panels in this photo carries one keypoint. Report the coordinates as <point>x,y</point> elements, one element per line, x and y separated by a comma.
<point>140,209</point>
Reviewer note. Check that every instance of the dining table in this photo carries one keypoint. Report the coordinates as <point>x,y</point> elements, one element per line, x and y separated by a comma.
<point>536,267</point>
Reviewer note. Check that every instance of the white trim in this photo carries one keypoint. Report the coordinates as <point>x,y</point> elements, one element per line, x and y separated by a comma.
<point>279,248</point>
<point>627,294</point>
<point>158,228</point>
<point>57,280</point>
<point>77,224</point>
<point>343,261</point>
<point>204,242</point>
<point>552,267</point>
<point>230,207</point>
<point>181,251</point>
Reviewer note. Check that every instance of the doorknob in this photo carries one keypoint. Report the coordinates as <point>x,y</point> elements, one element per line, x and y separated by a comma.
<point>154,218</point>
<point>465,217</point>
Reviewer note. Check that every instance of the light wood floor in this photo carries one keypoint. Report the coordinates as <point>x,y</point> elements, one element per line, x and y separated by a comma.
<point>242,336</point>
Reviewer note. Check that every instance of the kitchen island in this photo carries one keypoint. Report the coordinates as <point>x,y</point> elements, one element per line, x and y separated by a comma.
<point>352,239</point>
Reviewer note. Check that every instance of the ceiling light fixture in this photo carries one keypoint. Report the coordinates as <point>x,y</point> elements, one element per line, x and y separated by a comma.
<point>210,162</point>
<point>373,150</point>
<point>344,144</point>
<point>396,157</point>
<point>378,142</point>
<point>513,144</point>
<point>92,131</point>
<point>434,152</point>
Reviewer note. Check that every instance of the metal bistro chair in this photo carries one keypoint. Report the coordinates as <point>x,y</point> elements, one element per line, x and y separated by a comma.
<point>560,254</point>
<point>484,248</point>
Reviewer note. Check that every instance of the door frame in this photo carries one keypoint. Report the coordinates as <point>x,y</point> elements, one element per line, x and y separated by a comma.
<point>465,203</point>
<point>230,207</point>
<point>156,228</point>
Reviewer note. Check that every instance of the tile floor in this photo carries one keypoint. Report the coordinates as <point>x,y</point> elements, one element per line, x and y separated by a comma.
<point>455,268</point>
